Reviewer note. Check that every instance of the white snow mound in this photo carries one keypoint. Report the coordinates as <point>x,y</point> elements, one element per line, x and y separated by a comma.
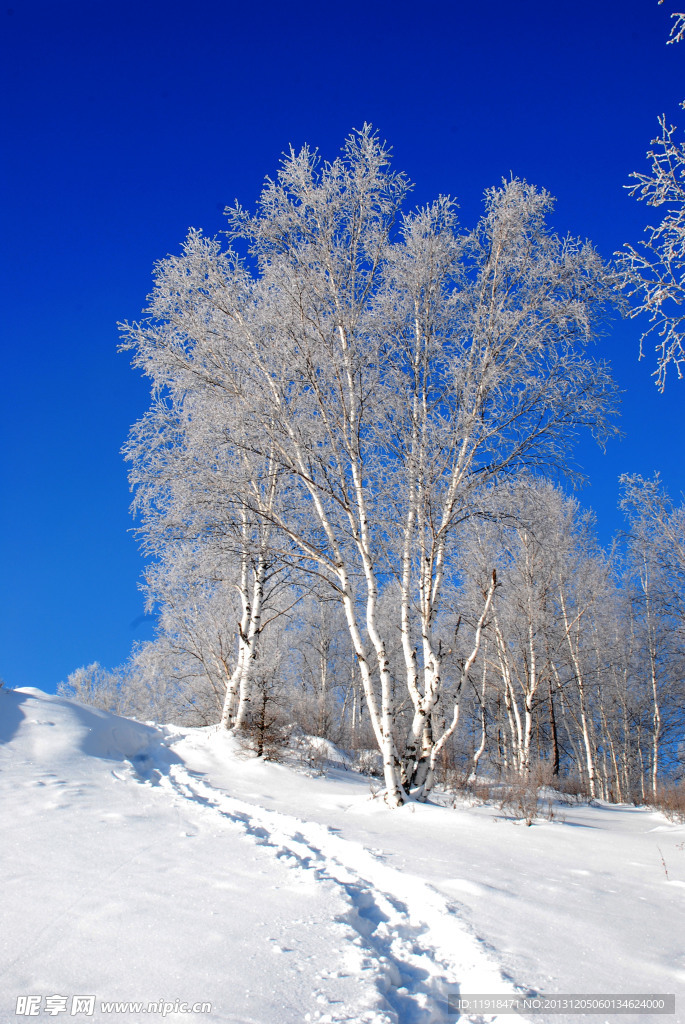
<point>63,727</point>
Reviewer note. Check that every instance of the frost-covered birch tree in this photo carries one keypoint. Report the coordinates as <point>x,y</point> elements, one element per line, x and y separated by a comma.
<point>386,367</point>
<point>655,587</point>
<point>213,574</point>
<point>654,269</point>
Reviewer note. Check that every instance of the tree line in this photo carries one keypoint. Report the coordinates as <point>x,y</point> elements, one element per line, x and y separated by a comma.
<point>344,489</point>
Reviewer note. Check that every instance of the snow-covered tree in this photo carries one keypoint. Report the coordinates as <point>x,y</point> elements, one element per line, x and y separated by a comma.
<point>654,270</point>
<point>655,588</point>
<point>213,576</point>
<point>383,369</point>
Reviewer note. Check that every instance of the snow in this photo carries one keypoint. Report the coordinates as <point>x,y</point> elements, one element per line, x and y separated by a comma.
<point>146,863</point>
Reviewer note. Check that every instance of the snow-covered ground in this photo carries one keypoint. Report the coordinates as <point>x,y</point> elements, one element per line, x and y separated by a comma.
<point>162,866</point>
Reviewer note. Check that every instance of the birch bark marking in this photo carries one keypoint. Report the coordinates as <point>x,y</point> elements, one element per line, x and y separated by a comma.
<point>250,640</point>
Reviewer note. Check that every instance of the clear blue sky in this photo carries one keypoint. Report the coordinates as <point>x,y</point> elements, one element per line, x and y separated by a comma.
<point>124,124</point>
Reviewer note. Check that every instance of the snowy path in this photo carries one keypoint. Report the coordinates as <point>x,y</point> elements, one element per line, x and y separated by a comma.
<point>581,904</point>
<point>405,933</point>
<point>127,875</point>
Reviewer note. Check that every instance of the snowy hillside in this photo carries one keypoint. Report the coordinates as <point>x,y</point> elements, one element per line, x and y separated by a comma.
<point>162,866</point>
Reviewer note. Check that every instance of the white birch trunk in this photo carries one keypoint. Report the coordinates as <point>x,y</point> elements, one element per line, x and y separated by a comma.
<point>427,784</point>
<point>233,689</point>
<point>584,720</point>
<point>250,641</point>
<point>483,735</point>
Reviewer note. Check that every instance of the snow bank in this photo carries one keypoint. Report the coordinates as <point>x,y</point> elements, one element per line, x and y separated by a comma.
<point>56,728</point>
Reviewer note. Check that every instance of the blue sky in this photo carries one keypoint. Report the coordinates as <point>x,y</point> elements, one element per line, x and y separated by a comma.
<point>124,124</point>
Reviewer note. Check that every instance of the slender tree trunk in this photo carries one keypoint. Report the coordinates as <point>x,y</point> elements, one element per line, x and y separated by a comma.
<point>555,739</point>
<point>574,652</point>
<point>483,732</point>
<point>234,686</point>
<point>251,640</point>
